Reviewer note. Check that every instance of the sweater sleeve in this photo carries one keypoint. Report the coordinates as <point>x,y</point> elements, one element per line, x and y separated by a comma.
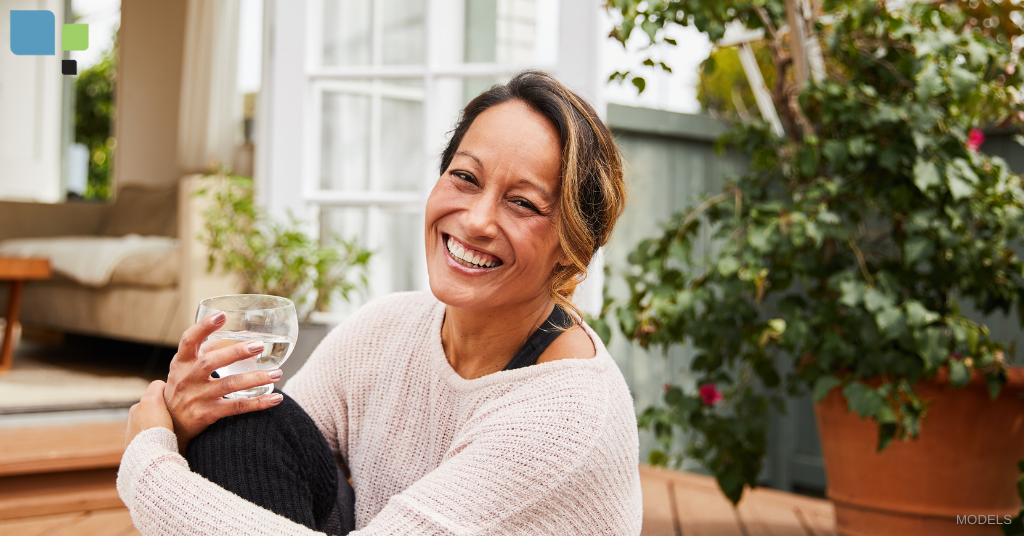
<point>165,498</point>
<point>524,467</point>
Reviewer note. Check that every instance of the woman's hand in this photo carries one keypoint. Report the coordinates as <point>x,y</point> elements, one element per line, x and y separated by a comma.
<point>195,399</point>
<point>150,412</point>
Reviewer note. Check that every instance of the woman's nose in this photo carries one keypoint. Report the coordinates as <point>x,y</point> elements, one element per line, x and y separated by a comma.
<point>481,217</point>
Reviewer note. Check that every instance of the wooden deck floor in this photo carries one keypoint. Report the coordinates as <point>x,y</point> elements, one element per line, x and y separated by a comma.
<point>675,504</point>
<point>686,504</point>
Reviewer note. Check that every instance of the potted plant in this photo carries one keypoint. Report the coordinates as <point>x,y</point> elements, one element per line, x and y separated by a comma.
<point>842,258</point>
<point>280,259</point>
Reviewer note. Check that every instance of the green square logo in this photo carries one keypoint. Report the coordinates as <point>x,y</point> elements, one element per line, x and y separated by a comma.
<point>74,37</point>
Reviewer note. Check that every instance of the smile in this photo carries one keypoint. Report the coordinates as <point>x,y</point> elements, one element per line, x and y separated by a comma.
<point>470,258</point>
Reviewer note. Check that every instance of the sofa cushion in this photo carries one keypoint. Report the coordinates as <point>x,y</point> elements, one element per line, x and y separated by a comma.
<point>156,268</point>
<point>145,211</point>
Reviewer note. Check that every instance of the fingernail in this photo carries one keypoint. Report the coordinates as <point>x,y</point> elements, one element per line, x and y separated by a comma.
<point>219,318</point>
<point>276,398</point>
<point>255,346</point>
<point>275,374</point>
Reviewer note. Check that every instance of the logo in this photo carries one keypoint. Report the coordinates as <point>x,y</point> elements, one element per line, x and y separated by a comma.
<point>33,33</point>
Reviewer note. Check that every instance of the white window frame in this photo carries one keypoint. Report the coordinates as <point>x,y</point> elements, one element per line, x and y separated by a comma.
<point>288,153</point>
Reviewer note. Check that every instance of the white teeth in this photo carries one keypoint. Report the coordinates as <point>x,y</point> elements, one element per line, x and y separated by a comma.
<point>460,253</point>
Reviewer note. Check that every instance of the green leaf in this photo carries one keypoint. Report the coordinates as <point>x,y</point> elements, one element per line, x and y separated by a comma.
<point>917,248</point>
<point>835,152</point>
<point>852,292</point>
<point>886,432</point>
<point>918,315</point>
<point>709,66</point>
<point>959,375</point>
<point>890,322</point>
<point>728,266</point>
<point>807,159</point>
<point>962,81</point>
<point>862,399</point>
<point>926,175</point>
<point>823,386</point>
<point>958,187</point>
<point>875,300</point>
<point>932,345</point>
<point>929,82</point>
<point>639,83</point>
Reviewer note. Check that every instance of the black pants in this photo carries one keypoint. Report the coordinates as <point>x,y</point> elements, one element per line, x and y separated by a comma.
<point>277,459</point>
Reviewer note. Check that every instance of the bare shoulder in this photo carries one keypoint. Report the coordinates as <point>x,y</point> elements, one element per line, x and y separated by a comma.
<point>574,343</point>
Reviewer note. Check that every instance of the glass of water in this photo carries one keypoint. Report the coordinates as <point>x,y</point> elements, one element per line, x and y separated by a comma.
<point>252,317</point>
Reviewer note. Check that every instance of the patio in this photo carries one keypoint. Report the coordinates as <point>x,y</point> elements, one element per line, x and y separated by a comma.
<point>51,485</point>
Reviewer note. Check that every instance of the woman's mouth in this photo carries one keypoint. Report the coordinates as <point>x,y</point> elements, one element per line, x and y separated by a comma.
<point>468,257</point>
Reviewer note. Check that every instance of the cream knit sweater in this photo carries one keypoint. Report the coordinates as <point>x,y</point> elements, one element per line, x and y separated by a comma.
<point>546,449</point>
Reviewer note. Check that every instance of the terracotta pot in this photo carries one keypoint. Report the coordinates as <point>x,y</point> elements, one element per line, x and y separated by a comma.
<point>964,463</point>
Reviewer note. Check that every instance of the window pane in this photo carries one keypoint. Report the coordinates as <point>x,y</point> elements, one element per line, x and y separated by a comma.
<point>372,135</point>
<point>396,239</point>
<point>401,149</point>
<point>501,31</point>
<point>345,142</point>
<point>348,32</point>
<point>404,39</point>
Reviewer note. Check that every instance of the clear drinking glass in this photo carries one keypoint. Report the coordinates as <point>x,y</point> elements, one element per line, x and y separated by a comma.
<point>252,317</point>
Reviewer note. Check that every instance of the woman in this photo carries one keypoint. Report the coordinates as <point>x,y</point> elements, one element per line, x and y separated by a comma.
<point>483,407</point>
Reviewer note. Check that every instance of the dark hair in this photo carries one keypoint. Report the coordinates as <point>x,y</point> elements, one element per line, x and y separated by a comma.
<point>592,189</point>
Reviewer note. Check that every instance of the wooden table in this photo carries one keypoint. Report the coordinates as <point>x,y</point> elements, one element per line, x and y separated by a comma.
<point>17,271</point>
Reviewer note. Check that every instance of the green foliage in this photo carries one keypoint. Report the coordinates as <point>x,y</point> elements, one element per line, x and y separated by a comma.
<point>94,120</point>
<point>723,89</point>
<point>839,257</point>
<point>277,258</point>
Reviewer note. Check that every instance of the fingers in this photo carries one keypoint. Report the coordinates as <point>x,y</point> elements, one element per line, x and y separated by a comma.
<point>155,392</point>
<point>239,382</point>
<point>195,335</point>
<point>236,406</point>
<point>222,357</point>
<point>239,406</point>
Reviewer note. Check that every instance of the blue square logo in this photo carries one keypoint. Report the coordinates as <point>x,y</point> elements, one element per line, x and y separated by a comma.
<point>33,33</point>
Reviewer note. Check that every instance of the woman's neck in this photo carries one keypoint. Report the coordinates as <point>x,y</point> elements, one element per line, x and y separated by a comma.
<point>478,343</point>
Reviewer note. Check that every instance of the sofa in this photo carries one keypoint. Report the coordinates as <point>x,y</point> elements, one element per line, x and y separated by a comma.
<point>152,267</point>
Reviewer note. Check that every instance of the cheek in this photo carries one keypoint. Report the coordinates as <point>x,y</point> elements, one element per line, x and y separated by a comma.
<point>439,202</point>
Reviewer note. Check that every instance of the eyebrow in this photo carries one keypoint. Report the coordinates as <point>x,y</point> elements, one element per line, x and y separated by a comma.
<point>543,191</point>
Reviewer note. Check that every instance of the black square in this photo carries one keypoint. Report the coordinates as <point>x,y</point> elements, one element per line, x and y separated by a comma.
<point>69,66</point>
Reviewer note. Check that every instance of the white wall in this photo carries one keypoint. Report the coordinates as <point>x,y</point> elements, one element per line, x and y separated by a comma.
<point>31,111</point>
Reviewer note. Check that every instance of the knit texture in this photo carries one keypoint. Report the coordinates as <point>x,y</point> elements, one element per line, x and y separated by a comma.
<point>546,449</point>
<point>275,458</point>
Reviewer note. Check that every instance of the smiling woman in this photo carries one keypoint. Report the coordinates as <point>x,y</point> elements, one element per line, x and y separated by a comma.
<point>483,407</point>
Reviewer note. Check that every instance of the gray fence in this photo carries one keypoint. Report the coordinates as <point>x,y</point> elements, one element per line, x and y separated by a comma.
<point>669,161</point>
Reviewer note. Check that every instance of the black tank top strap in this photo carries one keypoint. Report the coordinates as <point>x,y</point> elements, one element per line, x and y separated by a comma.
<point>539,341</point>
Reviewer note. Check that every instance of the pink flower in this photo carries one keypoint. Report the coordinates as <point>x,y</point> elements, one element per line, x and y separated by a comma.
<point>709,394</point>
<point>974,139</point>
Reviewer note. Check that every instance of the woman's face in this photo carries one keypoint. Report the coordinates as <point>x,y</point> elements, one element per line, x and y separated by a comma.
<point>491,219</point>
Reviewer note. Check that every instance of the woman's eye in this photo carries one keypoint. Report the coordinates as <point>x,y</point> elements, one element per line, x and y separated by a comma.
<point>525,204</point>
<point>465,177</point>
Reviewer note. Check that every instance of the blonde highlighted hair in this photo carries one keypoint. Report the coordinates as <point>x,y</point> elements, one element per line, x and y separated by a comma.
<point>592,190</point>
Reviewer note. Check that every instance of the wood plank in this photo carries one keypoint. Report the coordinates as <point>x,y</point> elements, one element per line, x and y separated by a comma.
<point>12,268</point>
<point>39,449</point>
<point>114,522</point>
<point>659,516</point>
<point>770,519</point>
<point>37,526</point>
<point>704,511</point>
<point>820,522</point>
<point>54,493</point>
